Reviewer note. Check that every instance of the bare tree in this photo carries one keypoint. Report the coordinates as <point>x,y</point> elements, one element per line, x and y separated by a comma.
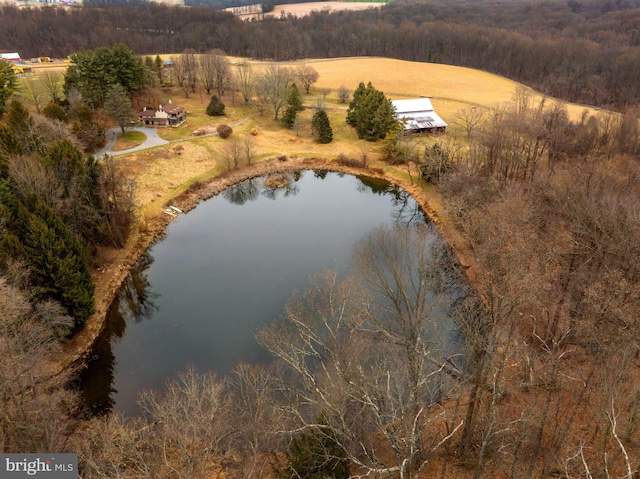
<point>206,72</point>
<point>33,91</point>
<point>249,148</point>
<point>365,354</point>
<point>307,75</point>
<point>273,86</point>
<point>111,447</point>
<point>470,118</point>
<point>34,415</point>
<point>343,94</point>
<point>190,425</point>
<point>221,71</point>
<point>232,153</point>
<point>52,85</point>
<point>257,415</point>
<point>245,80</point>
<point>185,72</point>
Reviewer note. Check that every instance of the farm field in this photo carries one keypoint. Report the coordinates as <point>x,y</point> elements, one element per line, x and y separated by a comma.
<point>451,88</point>
<point>250,12</point>
<point>160,171</point>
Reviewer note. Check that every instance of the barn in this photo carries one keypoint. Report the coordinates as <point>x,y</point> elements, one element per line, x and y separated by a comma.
<point>417,114</point>
<point>19,67</point>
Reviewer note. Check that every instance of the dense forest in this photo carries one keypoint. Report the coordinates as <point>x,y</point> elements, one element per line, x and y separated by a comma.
<point>583,51</point>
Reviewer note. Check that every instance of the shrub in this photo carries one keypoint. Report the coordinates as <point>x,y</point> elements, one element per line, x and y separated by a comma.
<point>53,111</point>
<point>215,107</point>
<point>436,164</point>
<point>321,127</point>
<point>224,131</point>
<point>344,94</point>
<point>344,160</point>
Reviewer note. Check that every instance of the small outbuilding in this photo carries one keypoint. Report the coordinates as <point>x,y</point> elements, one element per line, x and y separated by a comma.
<point>417,114</point>
<point>19,67</point>
<point>167,115</point>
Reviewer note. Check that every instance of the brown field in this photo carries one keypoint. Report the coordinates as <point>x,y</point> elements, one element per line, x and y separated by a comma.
<point>251,12</point>
<point>302,9</point>
<point>451,88</point>
<point>163,172</point>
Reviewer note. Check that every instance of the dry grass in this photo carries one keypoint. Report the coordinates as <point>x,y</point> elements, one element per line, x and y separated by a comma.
<point>451,88</point>
<point>163,172</point>
<point>302,9</point>
<point>130,139</point>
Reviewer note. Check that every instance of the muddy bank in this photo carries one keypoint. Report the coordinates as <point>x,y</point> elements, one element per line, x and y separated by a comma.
<point>117,263</point>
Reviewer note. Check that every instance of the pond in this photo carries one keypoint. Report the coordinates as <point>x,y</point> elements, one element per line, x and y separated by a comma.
<point>226,269</point>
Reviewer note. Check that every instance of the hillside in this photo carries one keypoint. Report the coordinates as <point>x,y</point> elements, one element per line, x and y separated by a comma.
<point>539,203</point>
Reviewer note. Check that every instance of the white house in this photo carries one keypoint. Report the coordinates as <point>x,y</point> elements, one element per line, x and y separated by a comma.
<point>167,115</point>
<point>418,115</point>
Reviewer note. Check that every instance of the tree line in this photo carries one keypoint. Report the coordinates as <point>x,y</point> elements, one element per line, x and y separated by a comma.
<point>57,205</point>
<point>581,51</point>
<point>549,210</point>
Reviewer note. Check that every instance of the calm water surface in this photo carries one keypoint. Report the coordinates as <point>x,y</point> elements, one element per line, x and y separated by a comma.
<point>227,268</point>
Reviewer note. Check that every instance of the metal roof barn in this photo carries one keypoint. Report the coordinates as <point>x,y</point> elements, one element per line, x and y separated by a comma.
<point>418,115</point>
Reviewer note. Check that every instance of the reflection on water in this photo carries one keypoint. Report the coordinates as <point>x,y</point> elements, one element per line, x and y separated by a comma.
<point>405,210</point>
<point>240,193</point>
<point>222,272</point>
<point>134,302</point>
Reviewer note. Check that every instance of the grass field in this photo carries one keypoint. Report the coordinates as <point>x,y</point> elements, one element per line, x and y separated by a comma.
<point>130,139</point>
<point>451,88</point>
<point>163,170</point>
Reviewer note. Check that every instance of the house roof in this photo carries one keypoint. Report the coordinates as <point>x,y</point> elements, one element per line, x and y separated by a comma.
<point>172,109</point>
<point>418,113</point>
<point>412,105</point>
<point>10,56</point>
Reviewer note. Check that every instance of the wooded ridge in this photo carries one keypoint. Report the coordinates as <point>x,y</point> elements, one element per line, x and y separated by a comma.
<point>581,51</point>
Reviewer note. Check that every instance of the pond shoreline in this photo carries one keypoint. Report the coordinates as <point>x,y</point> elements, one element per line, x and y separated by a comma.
<point>110,277</point>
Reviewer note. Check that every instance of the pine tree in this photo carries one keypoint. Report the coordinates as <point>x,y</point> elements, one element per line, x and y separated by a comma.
<point>58,263</point>
<point>22,128</point>
<point>354,104</point>
<point>371,113</point>
<point>294,105</point>
<point>321,127</point>
<point>8,84</point>
<point>118,104</point>
<point>314,454</point>
<point>215,107</point>
<point>157,67</point>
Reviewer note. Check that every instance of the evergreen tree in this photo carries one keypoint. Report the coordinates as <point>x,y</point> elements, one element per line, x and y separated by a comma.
<point>8,84</point>
<point>157,67</point>
<point>59,268</point>
<point>294,105</point>
<point>93,72</point>
<point>321,127</point>
<point>215,107</point>
<point>58,263</point>
<point>314,454</point>
<point>371,113</point>
<point>21,126</point>
<point>354,103</point>
<point>54,111</point>
<point>118,105</point>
